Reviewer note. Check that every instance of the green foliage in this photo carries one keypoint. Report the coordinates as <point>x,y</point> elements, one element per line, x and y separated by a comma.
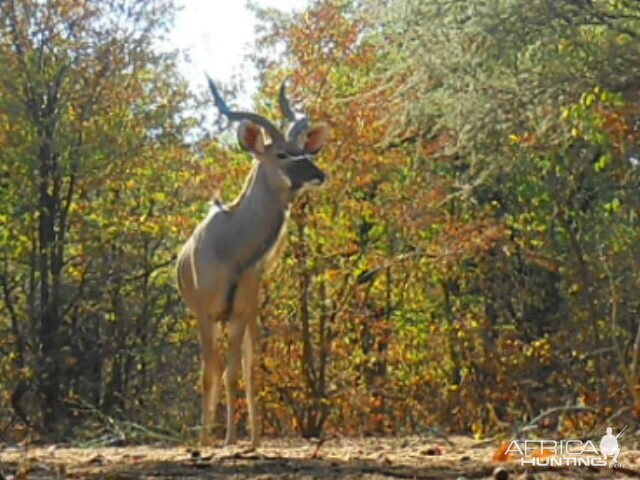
<point>92,127</point>
<point>537,108</point>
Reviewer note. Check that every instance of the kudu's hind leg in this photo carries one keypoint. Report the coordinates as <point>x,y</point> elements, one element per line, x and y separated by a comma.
<point>212,368</point>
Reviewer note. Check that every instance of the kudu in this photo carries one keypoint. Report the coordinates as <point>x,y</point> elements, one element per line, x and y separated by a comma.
<point>220,266</point>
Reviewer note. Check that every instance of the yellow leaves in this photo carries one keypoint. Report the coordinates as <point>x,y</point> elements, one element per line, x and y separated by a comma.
<point>623,38</point>
<point>478,430</point>
<point>151,226</point>
<point>74,272</point>
<point>589,98</point>
<point>332,274</point>
<point>564,45</point>
<point>160,197</point>
<point>613,206</point>
<point>526,138</point>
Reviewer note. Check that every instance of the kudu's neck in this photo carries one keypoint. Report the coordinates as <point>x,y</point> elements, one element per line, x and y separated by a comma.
<point>260,193</point>
<point>259,213</point>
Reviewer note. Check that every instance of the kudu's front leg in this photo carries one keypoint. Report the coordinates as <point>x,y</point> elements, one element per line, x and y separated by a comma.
<point>242,325</point>
<point>248,362</point>
<point>231,374</point>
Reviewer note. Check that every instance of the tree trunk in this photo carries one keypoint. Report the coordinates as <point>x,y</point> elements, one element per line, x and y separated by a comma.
<point>49,266</point>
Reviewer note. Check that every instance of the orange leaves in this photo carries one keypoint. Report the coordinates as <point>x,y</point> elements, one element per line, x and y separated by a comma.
<point>429,148</point>
<point>456,240</point>
<point>618,123</point>
<point>501,454</point>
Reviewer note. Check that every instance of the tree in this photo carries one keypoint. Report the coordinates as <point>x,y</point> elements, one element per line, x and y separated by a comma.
<point>531,109</point>
<point>92,125</point>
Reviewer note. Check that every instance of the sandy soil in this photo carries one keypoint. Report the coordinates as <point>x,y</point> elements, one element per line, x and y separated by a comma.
<point>457,458</point>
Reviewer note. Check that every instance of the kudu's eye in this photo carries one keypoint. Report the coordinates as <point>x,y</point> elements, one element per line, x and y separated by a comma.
<point>282,155</point>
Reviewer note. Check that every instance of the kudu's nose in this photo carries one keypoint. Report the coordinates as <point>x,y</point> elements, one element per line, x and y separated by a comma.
<point>319,179</point>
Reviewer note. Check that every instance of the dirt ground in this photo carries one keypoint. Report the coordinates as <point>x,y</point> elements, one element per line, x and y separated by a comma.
<point>456,458</point>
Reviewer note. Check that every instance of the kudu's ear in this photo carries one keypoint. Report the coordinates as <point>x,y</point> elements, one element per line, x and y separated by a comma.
<point>250,137</point>
<point>316,137</point>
